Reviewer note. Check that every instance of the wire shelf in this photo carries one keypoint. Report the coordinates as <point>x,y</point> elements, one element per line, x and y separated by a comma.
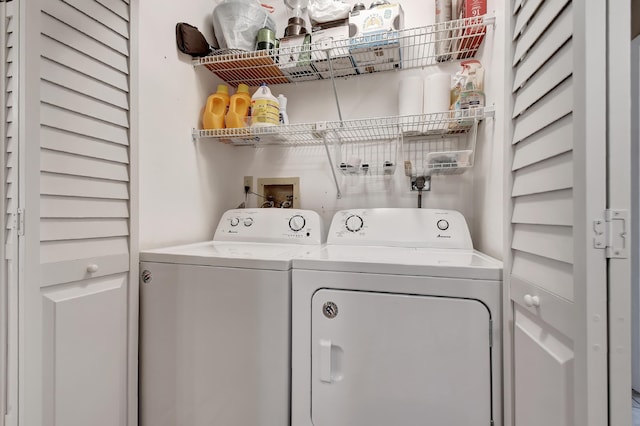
<point>446,154</point>
<point>403,49</point>
<point>352,131</point>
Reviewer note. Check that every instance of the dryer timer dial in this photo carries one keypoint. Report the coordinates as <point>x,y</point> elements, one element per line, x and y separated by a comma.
<point>354,223</point>
<point>297,223</point>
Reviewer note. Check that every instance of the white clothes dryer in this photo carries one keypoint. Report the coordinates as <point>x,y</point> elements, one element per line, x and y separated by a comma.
<point>396,321</point>
<point>215,322</point>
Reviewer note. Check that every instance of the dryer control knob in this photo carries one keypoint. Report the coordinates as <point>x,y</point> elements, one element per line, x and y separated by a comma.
<point>354,223</point>
<point>297,222</point>
<point>442,225</point>
<point>248,221</point>
<point>235,221</point>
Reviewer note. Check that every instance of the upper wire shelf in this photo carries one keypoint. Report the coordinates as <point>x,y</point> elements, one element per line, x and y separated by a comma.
<point>392,50</point>
<point>361,130</point>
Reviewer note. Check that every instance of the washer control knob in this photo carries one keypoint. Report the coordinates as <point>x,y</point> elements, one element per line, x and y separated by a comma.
<point>354,223</point>
<point>248,221</point>
<point>235,221</point>
<point>442,225</point>
<point>297,223</point>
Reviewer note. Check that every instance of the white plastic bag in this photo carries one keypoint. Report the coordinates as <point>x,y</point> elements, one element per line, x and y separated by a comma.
<point>236,23</point>
<point>328,10</point>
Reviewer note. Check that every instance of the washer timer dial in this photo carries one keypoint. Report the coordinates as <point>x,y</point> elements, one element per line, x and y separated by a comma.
<point>297,223</point>
<point>354,223</point>
<point>442,225</point>
<point>235,221</point>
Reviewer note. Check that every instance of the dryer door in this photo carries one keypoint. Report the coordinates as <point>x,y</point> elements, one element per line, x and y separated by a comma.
<point>395,359</point>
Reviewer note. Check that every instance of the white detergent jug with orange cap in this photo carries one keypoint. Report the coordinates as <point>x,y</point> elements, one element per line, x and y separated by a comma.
<point>265,110</point>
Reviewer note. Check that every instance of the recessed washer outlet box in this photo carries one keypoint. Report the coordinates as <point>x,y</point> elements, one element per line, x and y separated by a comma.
<point>283,192</point>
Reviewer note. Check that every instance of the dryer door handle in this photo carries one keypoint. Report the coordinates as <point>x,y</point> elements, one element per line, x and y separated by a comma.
<point>325,361</point>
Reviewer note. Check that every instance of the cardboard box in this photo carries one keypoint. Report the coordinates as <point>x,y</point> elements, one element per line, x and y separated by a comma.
<point>338,39</point>
<point>471,38</point>
<point>374,43</point>
<point>342,67</point>
<point>294,56</point>
<point>389,17</point>
<point>376,52</point>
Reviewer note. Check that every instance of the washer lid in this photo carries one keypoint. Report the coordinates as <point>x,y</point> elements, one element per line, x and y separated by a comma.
<point>228,254</point>
<point>447,263</point>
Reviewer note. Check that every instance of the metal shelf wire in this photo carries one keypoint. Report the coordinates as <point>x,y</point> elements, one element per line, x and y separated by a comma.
<point>403,49</point>
<point>352,131</point>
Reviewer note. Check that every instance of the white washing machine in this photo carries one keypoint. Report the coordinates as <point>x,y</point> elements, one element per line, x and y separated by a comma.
<point>215,324</point>
<point>396,321</point>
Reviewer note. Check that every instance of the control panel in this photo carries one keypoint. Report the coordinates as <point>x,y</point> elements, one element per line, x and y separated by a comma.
<point>427,228</point>
<point>270,226</point>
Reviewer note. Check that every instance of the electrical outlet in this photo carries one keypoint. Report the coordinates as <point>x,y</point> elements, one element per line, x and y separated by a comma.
<point>426,184</point>
<point>248,181</point>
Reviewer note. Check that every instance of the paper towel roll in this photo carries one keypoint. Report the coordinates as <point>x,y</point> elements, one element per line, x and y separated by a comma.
<point>437,89</point>
<point>410,101</point>
<point>410,96</point>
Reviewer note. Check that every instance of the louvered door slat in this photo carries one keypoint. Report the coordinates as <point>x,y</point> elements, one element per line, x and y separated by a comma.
<point>56,73</point>
<point>85,24</point>
<point>102,14</point>
<point>119,7</point>
<point>545,176</point>
<point>72,207</point>
<point>58,118</point>
<point>556,70</point>
<point>523,18</point>
<point>74,186</point>
<point>550,41</point>
<point>540,22</point>
<point>65,34</point>
<point>76,165</point>
<point>73,143</point>
<point>553,242</point>
<point>517,4</point>
<point>552,107</point>
<point>553,140</point>
<point>80,229</point>
<point>71,100</point>
<point>547,208</point>
<point>81,63</point>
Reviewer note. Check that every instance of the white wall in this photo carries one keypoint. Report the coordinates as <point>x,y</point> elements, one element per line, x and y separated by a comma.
<point>206,178</point>
<point>183,185</point>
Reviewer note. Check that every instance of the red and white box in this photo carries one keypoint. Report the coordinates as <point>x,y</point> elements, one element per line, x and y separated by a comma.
<point>471,38</point>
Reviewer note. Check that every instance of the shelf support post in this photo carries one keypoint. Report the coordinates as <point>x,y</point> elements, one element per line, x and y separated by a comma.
<point>326,46</point>
<point>322,127</point>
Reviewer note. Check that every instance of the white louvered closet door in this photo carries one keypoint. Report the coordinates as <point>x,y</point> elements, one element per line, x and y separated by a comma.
<point>80,307</point>
<point>8,220</point>
<point>557,277</point>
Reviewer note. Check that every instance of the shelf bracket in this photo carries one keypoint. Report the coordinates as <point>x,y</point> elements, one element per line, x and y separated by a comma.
<point>489,20</point>
<point>321,127</point>
<point>326,45</point>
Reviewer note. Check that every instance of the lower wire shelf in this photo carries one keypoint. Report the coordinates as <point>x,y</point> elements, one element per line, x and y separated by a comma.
<point>351,131</point>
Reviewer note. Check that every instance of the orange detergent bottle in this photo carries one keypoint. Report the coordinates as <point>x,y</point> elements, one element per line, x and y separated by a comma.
<point>216,108</point>
<point>239,108</point>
